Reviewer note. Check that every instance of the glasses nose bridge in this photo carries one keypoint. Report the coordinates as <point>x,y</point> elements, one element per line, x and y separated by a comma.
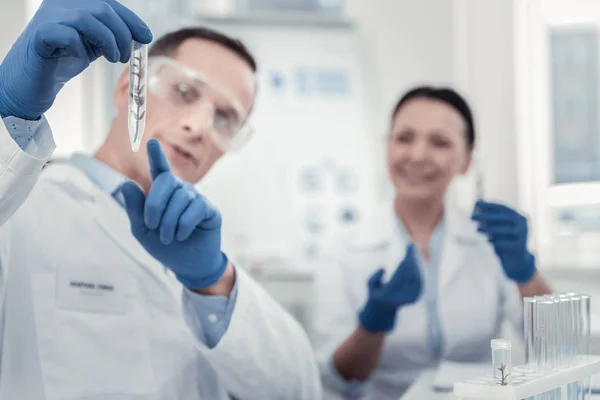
<point>199,116</point>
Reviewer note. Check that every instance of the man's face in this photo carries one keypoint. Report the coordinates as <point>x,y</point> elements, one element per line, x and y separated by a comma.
<point>182,111</point>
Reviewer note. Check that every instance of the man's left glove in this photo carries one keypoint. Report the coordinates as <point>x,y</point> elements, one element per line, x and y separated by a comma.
<point>506,230</point>
<point>176,224</point>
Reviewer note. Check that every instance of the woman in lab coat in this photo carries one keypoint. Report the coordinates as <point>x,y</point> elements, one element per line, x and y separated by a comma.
<point>422,281</point>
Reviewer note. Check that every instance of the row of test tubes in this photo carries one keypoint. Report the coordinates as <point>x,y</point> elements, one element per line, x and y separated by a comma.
<point>557,330</point>
<point>557,337</point>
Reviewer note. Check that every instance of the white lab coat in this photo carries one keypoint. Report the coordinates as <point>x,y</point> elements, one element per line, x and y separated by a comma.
<point>135,339</point>
<point>474,297</point>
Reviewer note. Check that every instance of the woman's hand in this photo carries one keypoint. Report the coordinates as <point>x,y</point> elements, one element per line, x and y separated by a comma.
<point>404,287</point>
<point>507,231</point>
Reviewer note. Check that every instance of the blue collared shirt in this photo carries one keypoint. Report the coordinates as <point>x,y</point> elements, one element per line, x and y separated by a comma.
<point>435,335</point>
<point>214,312</point>
<point>357,389</point>
<point>27,134</point>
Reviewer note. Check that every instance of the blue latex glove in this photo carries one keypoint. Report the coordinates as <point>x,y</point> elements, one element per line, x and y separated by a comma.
<point>506,230</point>
<point>60,41</point>
<point>176,225</point>
<point>385,299</point>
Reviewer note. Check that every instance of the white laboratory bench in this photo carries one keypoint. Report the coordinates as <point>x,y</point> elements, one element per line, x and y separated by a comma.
<point>422,390</point>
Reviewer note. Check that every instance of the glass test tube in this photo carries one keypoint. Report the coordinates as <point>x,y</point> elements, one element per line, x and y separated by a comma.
<point>581,319</point>
<point>544,332</point>
<point>584,349</point>
<point>137,93</point>
<point>502,361</point>
<point>585,326</point>
<point>557,330</point>
<point>571,325</point>
<point>531,359</point>
<point>566,330</point>
<point>576,326</point>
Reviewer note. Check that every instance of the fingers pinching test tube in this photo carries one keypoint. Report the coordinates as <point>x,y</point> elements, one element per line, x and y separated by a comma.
<point>137,94</point>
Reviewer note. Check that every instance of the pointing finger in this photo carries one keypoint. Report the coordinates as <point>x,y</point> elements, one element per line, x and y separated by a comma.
<point>157,159</point>
<point>158,199</point>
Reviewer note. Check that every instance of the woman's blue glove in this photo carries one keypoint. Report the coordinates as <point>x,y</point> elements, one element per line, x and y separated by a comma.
<point>403,288</point>
<point>60,41</point>
<point>506,230</point>
<point>176,225</point>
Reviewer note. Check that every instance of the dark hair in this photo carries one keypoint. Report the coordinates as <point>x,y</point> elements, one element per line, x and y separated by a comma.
<point>166,45</point>
<point>448,96</point>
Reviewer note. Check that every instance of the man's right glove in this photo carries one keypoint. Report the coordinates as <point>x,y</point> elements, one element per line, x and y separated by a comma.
<point>385,299</point>
<point>176,224</point>
<point>62,39</point>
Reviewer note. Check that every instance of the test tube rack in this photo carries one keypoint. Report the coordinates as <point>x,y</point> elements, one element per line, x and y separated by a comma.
<point>527,383</point>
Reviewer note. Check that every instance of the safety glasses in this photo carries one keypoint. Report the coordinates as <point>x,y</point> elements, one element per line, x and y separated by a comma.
<point>185,90</point>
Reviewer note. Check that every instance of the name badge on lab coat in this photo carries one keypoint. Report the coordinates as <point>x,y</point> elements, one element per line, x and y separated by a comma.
<point>92,289</point>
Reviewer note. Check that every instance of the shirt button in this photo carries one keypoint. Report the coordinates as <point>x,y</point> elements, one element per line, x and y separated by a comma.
<point>212,318</point>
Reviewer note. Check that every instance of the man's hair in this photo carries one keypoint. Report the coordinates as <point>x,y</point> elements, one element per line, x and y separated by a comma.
<point>445,95</point>
<point>166,45</point>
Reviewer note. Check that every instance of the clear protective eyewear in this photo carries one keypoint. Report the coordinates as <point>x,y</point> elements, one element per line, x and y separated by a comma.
<point>188,91</point>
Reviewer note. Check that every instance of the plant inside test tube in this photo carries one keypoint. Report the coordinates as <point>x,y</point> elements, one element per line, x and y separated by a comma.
<point>137,93</point>
<point>502,380</point>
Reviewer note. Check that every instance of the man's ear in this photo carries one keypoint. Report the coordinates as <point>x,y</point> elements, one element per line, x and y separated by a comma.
<point>122,89</point>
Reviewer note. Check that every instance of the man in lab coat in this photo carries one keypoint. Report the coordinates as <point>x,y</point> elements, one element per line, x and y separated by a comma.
<point>111,289</point>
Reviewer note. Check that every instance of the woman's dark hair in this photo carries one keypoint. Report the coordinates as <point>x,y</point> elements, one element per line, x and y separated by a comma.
<point>445,95</point>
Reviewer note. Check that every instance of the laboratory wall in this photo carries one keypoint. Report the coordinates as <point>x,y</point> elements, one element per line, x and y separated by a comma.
<point>464,42</point>
<point>12,21</point>
<point>400,43</point>
<point>468,44</point>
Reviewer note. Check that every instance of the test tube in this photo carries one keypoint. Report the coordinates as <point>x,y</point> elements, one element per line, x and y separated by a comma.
<point>531,359</point>
<point>586,303</point>
<point>584,349</point>
<point>558,339</point>
<point>137,93</point>
<point>544,327</point>
<point>559,311</point>
<point>581,307</point>
<point>576,326</point>
<point>502,361</point>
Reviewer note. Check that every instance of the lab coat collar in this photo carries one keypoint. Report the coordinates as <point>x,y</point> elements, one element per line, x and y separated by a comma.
<point>460,232</point>
<point>102,175</point>
<point>460,235</point>
<point>457,224</point>
<point>380,228</point>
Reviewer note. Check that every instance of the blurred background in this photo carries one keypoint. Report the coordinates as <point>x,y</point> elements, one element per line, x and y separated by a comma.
<point>330,71</point>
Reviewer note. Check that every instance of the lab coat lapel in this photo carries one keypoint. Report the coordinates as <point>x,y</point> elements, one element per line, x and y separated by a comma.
<point>107,213</point>
<point>113,219</point>
<point>459,236</point>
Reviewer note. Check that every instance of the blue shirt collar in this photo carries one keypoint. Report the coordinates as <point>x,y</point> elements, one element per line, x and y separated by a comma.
<point>103,176</point>
<point>434,241</point>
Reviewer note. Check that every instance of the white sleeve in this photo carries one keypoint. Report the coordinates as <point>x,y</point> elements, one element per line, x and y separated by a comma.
<point>265,353</point>
<point>21,163</point>
<point>5,246</point>
<point>336,317</point>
